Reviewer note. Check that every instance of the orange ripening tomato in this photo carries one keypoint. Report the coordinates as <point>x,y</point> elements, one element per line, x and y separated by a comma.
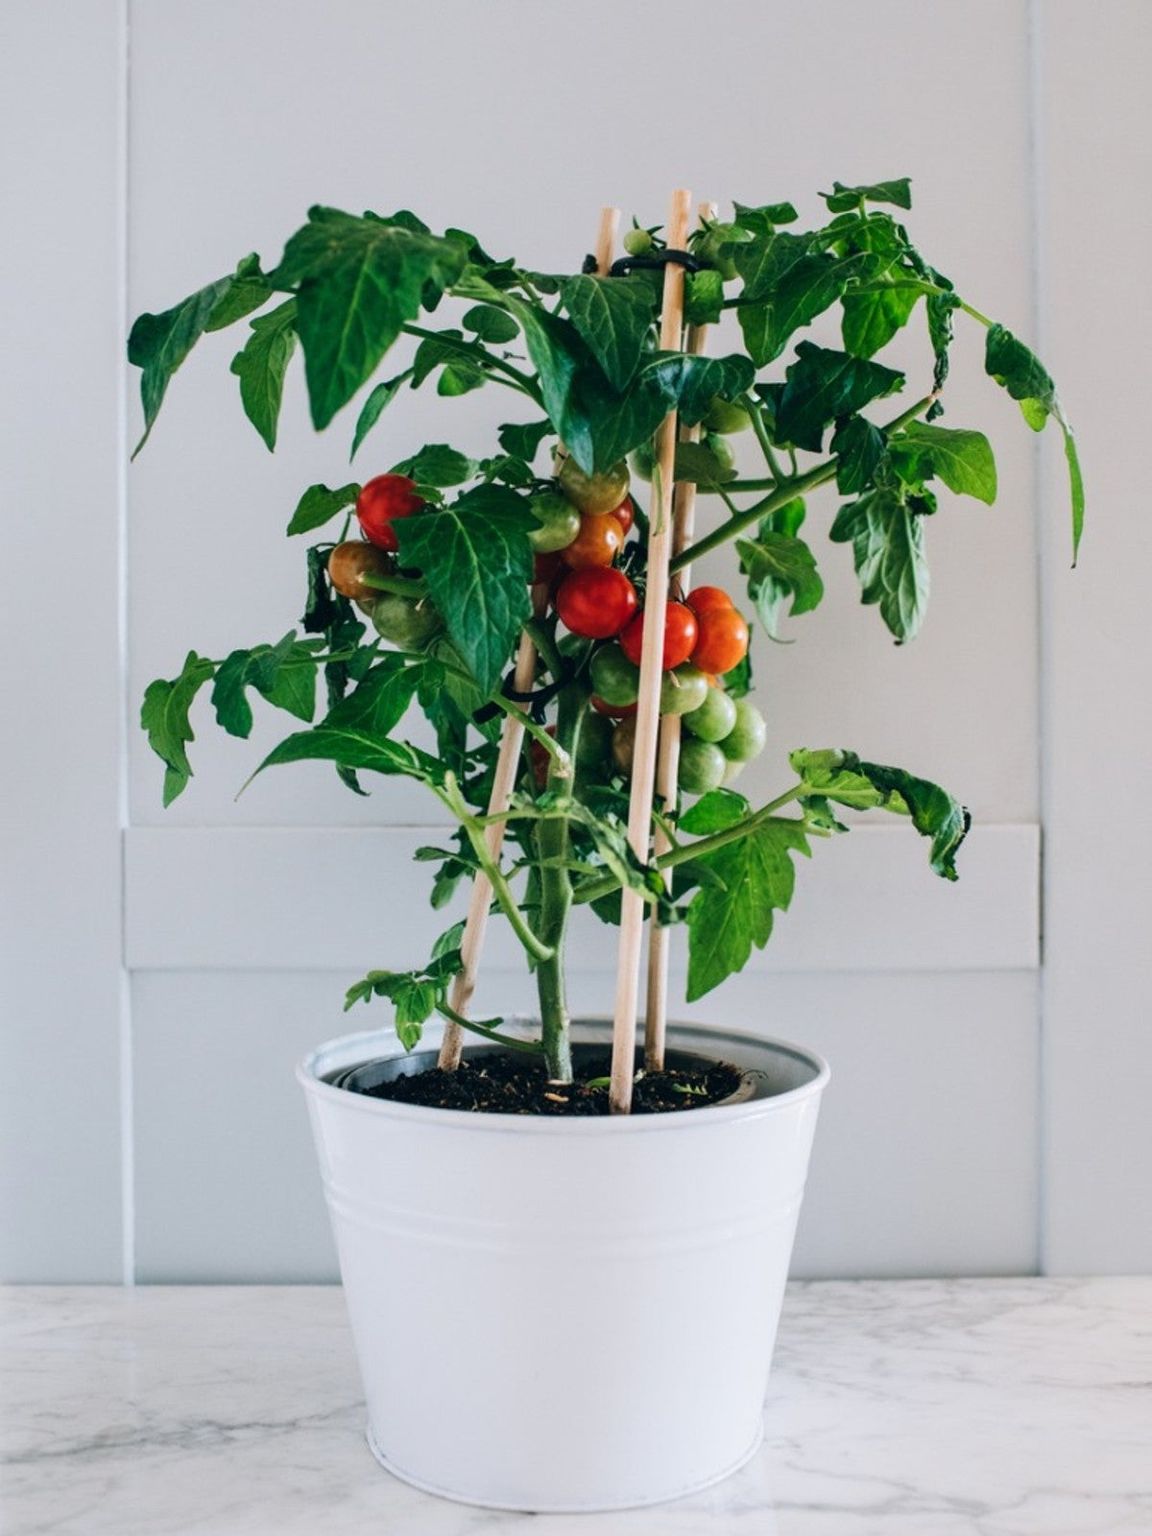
<point>599,541</point>
<point>705,599</point>
<point>351,561</point>
<point>722,640</point>
<point>680,632</point>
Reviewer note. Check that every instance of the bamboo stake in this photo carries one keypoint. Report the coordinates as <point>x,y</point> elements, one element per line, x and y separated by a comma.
<point>668,758</point>
<point>651,672</point>
<point>504,781</point>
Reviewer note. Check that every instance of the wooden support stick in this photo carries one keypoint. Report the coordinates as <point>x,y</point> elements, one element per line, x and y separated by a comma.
<point>507,763</point>
<point>651,673</point>
<point>668,756</point>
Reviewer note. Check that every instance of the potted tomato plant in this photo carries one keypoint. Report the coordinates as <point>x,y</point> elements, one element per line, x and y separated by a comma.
<point>553,1200</point>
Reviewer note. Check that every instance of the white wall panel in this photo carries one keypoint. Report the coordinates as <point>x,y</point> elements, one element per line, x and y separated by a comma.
<point>61,81</point>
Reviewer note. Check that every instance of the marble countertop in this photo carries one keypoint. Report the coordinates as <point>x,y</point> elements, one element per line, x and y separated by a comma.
<point>897,1408</point>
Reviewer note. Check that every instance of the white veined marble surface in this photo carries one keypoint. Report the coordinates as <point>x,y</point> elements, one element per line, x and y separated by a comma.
<point>897,1408</point>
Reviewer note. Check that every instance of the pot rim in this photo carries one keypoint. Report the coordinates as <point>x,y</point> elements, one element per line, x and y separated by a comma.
<point>571,1125</point>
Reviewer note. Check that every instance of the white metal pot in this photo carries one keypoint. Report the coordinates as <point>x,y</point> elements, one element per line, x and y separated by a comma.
<point>557,1314</point>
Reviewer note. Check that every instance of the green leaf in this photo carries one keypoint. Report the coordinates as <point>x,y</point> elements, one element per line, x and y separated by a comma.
<point>374,407</point>
<point>491,324</point>
<point>703,297</point>
<point>358,282</point>
<point>935,814</point>
<point>859,448</point>
<point>438,465</point>
<point>1076,484</point>
<point>764,220</point>
<point>697,463</point>
<point>613,316</point>
<point>754,877</point>
<point>821,386</point>
<point>261,364</point>
<point>887,541</point>
<point>355,732</point>
<point>164,715</point>
<point>786,285</point>
<point>283,673</point>
<point>158,344</point>
<point>247,290</point>
<point>962,459</point>
<point>779,566</point>
<point>319,505</point>
<point>459,379</point>
<point>714,812</point>
<point>872,318</point>
<point>522,440</point>
<point>557,354</point>
<point>842,199</point>
<point>477,563</point>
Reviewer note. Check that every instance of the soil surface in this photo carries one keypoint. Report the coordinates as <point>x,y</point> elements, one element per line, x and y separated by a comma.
<point>509,1084</point>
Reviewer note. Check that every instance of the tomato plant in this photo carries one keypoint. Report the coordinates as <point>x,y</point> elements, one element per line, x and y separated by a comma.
<point>473,569</point>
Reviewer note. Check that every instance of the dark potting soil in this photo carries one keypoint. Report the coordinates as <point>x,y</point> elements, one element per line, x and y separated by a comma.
<point>501,1082</point>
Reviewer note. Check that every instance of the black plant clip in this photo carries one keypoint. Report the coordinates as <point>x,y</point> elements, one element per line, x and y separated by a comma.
<point>654,261</point>
<point>537,699</point>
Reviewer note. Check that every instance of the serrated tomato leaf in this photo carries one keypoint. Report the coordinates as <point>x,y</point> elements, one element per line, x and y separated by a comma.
<point>261,364</point>
<point>613,316</point>
<point>477,563</point>
<point>779,566</point>
<point>823,385</point>
<point>963,459</point>
<point>887,540</point>
<point>164,716</point>
<point>320,504</point>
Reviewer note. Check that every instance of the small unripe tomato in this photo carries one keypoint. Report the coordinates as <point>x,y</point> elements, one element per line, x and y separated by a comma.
<point>642,461</point>
<point>637,242</point>
<point>725,417</point>
<point>380,502</point>
<point>721,451</point>
<point>721,641</point>
<point>682,690</point>
<point>615,679</point>
<point>701,768</point>
<point>624,745</point>
<point>350,562</point>
<point>679,636</point>
<point>598,542</point>
<point>748,736</point>
<point>593,744</point>
<point>593,493</point>
<point>596,603</point>
<point>559,522</point>
<point>701,599</point>
<point>715,718</point>
<point>407,623</point>
<point>625,515</point>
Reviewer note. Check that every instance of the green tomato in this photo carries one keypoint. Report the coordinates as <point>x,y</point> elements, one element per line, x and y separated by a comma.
<point>624,745</point>
<point>559,522</point>
<point>712,248</point>
<point>748,736</point>
<point>702,766</point>
<point>723,416</point>
<point>643,461</point>
<point>637,242</point>
<point>722,450</point>
<point>682,690</point>
<point>614,678</point>
<point>598,493</point>
<point>715,718</point>
<point>732,772</point>
<point>593,745</point>
<point>407,623</point>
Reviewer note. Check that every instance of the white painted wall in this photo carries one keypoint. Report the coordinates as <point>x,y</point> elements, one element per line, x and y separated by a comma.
<point>243,922</point>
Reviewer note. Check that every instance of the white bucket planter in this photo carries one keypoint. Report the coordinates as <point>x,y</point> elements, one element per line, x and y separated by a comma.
<point>566,1314</point>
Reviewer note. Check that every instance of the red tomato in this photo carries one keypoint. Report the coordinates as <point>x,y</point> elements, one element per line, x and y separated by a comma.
<point>722,640</point>
<point>613,711</point>
<point>625,515</point>
<point>596,602</point>
<point>598,542</point>
<point>679,636</point>
<point>381,501</point>
<point>707,599</point>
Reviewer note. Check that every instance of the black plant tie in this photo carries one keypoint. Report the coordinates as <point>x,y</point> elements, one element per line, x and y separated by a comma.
<point>537,699</point>
<point>654,261</point>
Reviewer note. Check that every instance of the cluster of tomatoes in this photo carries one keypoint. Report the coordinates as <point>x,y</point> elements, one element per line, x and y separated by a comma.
<point>583,522</point>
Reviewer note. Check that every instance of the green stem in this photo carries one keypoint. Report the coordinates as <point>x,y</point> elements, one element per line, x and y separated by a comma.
<point>683,853</point>
<point>798,485</point>
<point>509,1042</point>
<point>521,381</point>
<point>757,419</point>
<point>552,848</point>
<point>451,797</point>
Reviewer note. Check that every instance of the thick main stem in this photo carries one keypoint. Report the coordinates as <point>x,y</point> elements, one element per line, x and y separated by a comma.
<point>552,849</point>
